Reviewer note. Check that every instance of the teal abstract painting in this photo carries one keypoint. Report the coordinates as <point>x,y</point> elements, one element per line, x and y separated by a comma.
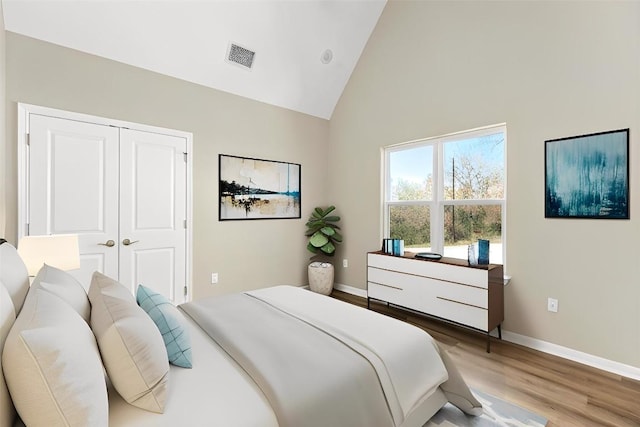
<point>588,176</point>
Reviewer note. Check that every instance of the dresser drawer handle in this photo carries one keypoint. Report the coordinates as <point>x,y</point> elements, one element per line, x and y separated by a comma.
<point>460,302</point>
<point>388,286</point>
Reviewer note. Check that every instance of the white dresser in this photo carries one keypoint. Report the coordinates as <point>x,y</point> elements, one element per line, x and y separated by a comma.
<point>472,296</point>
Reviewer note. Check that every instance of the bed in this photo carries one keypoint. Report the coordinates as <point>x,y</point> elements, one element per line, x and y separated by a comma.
<point>279,356</point>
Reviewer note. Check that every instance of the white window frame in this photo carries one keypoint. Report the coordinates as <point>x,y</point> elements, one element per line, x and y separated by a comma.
<point>437,204</point>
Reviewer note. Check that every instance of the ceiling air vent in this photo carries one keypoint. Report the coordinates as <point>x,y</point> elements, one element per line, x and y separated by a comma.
<point>240,55</point>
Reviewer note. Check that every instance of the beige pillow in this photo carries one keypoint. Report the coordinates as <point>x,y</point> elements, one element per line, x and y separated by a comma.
<point>52,366</point>
<point>65,286</point>
<point>7,317</point>
<point>132,348</point>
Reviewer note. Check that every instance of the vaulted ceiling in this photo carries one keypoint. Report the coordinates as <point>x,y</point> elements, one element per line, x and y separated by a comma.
<point>305,50</point>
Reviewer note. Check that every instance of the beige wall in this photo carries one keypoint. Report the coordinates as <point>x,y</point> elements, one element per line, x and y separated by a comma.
<point>547,69</point>
<point>3,147</point>
<point>246,254</point>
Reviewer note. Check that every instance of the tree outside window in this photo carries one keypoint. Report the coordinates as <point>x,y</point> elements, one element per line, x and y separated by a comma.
<point>443,194</point>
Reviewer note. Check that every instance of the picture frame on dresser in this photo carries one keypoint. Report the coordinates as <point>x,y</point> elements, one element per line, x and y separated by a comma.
<point>447,289</point>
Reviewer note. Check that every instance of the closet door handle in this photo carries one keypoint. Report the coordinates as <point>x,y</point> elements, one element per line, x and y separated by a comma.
<point>108,243</point>
<point>128,242</point>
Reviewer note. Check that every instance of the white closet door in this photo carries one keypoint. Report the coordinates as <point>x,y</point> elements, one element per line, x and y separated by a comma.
<point>73,188</point>
<point>153,212</point>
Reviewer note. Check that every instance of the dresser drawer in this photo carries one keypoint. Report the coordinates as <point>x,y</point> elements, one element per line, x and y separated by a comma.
<point>435,270</point>
<point>419,286</point>
<point>427,302</point>
<point>468,315</point>
<point>386,293</point>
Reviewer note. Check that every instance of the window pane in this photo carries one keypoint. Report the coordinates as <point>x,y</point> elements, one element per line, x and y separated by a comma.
<point>411,174</point>
<point>464,225</point>
<point>411,223</point>
<point>474,168</point>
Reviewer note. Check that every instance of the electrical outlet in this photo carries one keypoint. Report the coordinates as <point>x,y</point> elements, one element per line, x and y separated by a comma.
<point>214,278</point>
<point>345,263</point>
<point>552,305</point>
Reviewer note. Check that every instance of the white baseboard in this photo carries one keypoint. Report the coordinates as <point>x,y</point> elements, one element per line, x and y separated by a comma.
<point>543,346</point>
<point>350,290</point>
<point>575,355</point>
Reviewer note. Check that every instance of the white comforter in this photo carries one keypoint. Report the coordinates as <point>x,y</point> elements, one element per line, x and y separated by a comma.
<point>406,358</point>
<point>321,361</point>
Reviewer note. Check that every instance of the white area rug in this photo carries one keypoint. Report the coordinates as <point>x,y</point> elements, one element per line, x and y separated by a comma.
<point>497,413</point>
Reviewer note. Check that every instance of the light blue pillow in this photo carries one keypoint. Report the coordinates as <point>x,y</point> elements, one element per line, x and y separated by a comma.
<point>168,320</point>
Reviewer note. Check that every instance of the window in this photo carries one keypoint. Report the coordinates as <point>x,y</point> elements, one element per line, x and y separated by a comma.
<point>442,194</point>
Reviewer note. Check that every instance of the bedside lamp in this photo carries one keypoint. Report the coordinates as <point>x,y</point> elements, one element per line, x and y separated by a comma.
<point>57,250</point>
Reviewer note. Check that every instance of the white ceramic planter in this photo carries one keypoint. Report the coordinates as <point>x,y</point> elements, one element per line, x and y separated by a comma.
<point>321,277</point>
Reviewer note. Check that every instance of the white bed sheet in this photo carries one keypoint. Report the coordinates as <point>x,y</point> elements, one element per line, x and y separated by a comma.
<point>215,392</point>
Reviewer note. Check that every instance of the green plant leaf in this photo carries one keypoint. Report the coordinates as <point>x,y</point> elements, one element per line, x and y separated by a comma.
<point>318,240</point>
<point>328,249</point>
<point>329,210</point>
<point>321,231</point>
<point>328,231</point>
<point>312,229</point>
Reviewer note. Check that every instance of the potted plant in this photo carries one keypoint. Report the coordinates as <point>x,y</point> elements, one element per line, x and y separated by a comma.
<point>323,237</point>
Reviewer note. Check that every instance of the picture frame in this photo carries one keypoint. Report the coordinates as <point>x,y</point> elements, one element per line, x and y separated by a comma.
<point>587,176</point>
<point>251,188</point>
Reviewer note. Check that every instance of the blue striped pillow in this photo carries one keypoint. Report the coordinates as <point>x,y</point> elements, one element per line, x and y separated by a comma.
<point>168,320</point>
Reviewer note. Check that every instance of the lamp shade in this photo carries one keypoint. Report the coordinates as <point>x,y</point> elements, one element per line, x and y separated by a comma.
<point>57,250</point>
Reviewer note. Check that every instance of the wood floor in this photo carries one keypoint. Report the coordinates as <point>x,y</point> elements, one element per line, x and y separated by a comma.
<point>566,393</point>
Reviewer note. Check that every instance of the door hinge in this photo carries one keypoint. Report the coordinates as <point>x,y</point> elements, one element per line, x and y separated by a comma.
<point>185,157</point>
<point>27,138</point>
<point>185,223</point>
<point>26,229</point>
<point>185,291</point>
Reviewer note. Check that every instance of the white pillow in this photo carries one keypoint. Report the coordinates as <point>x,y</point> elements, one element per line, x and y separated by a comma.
<point>132,348</point>
<point>65,286</point>
<point>7,317</point>
<point>14,275</point>
<point>52,366</point>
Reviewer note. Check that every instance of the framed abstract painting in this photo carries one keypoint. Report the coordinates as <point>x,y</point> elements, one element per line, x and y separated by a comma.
<point>257,189</point>
<point>587,176</point>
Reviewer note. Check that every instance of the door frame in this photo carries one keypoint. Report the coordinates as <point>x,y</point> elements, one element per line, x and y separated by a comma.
<point>24,110</point>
